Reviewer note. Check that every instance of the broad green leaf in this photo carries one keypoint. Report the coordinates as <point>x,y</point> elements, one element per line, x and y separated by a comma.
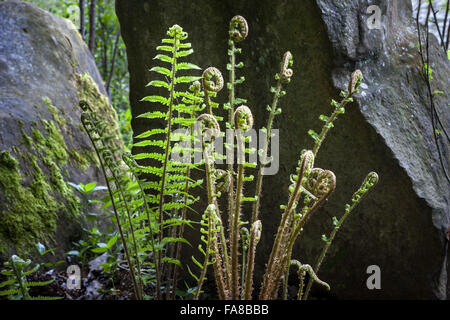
<point>89,187</point>
<point>99,250</point>
<point>112,241</point>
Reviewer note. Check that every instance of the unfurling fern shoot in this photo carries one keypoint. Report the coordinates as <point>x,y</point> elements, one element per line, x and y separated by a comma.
<point>238,31</point>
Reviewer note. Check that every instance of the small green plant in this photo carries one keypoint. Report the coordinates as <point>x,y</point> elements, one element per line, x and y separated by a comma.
<point>95,242</point>
<point>86,191</point>
<point>17,286</point>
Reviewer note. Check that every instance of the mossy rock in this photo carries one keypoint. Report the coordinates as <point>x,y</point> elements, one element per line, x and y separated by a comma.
<point>43,76</point>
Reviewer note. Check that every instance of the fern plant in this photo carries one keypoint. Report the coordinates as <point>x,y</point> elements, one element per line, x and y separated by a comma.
<point>310,187</point>
<point>17,287</point>
<point>169,185</point>
<point>150,200</point>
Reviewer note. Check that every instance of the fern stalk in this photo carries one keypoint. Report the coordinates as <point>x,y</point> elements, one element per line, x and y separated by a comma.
<point>353,86</point>
<point>243,122</point>
<point>284,77</point>
<point>210,211</point>
<point>132,164</point>
<point>369,182</point>
<point>166,159</point>
<point>88,126</point>
<point>279,245</point>
<point>19,278</point>
<point>238,31</point>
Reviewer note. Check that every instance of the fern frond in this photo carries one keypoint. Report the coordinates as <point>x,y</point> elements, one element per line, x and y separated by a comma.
<point>9,292</point>
<point>39,283</point>
<point>209,230</point>
<point>45,298</point>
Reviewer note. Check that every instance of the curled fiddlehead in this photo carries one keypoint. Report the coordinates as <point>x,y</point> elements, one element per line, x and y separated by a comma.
<point>320,182</point>
<point>210,87</point>
<point>238,28</point>
<point>302,270</point>
<point>243,122</point>
<point>255,236</point>
<point>355,81</point>
<point>243,118</point>
<point>223,179</point>
<point>286,73</point>
<point>212,73</point>
<point>208,121</point>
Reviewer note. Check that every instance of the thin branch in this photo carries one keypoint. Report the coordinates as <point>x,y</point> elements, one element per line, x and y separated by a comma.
<point>113,60</point>
<point>92,23</point>
<point>82,20</point>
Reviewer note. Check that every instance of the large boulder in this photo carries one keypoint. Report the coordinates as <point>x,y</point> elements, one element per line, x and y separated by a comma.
<point>388,130</point>
<point>45,69</point>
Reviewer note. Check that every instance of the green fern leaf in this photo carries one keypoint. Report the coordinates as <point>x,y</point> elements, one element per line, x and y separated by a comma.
<point>165,48</point>
<point>164,58</point>
<point>159,83</point>
<point>183,53</point>
<point>162,70</point>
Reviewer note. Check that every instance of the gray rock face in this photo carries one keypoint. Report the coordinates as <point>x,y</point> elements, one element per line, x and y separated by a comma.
<point>394,99</point>
<point>387,130</point>
<point>45,69</point>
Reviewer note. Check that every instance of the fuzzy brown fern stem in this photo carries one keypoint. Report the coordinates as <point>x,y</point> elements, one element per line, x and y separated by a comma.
<point>208,126</point>
<point>238,31</point>
<point>302,269</point>
<point>255,236</point>
<point>279,245</point>
<point>243,122</point>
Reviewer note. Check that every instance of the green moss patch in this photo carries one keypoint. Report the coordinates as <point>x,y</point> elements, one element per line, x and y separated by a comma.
<point>27,214</point>
<point>89,92</point>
